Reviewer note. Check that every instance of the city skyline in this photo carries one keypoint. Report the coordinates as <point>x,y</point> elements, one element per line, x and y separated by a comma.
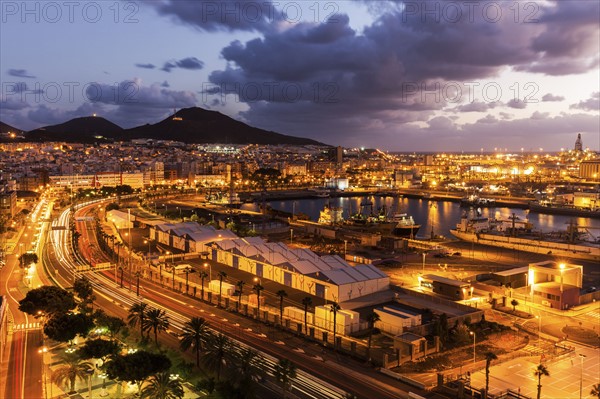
<point>401,76</point>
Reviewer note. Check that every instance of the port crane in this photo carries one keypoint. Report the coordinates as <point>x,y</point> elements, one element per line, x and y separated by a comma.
<point>574,229</point>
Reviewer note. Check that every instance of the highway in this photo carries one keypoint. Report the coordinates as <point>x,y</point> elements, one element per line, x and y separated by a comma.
<point>181,308</point>
<point>23,361</point>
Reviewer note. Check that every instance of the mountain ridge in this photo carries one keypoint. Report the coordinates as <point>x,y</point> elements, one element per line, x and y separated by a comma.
<point>193,125</point>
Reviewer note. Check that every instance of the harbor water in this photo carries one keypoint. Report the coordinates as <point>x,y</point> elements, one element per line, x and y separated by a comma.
<point>441,216</point>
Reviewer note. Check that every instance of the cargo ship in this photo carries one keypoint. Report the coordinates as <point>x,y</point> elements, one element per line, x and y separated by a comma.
<point>557,209</point>
<point>518,234</point>
<point>400,224</point>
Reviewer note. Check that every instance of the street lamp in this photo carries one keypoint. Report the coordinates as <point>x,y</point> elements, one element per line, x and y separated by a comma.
<point>345,248</point>
<point>424,253</point>
<point>209,270</point>
<point>581,356</point>
<point>148,242</point>
<point>473,334</point>
<point>291,236</point>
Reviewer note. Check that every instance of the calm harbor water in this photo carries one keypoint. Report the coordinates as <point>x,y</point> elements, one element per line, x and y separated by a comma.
<point>441,215</point>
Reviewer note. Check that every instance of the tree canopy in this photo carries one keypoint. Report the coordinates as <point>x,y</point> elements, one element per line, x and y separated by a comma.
<point>83,288</point>
<point>48,300</point>
<point>28,258</point>
<point>98,349</point>
<point>63,327</point>
<point>136,367</point>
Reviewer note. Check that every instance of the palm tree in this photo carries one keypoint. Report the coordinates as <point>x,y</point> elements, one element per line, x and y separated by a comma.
<point>540,371</point>
<point>194,333</point>
<point>217,353</point>
<point>157,321</point>
<point>595,392</point>
<point>258,288</point>
<point>285,371</point>
<point>240,284</point>
<point>203,275</point>
<point>73,369</point>
<point>137,316</point>
<point>222,275</point>
<point>162,386</point>
<point>514,304</point>
<point>281,294</point>
<point>307,301</point>
<point>335,308</point>
<point>489,356</point>
<point>248,368</point>
<point>372,318</point>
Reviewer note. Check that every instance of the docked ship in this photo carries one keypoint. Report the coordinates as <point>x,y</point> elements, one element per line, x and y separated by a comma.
<point>476,201</point>
<point>517,234</point>
<point>331,215</point>
<point>229,200</point>
<point>548,207</point>
<point>400,225</point>
<point>405,226</point>
<point>319,192</point>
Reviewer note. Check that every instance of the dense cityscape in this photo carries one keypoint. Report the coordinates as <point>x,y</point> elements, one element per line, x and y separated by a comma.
<point>312,209</point>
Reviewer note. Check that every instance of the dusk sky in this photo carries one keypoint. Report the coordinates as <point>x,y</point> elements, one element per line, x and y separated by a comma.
<point>400,76</point>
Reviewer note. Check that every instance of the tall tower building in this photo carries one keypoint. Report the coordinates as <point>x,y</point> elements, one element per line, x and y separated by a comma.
<point>578,143</point>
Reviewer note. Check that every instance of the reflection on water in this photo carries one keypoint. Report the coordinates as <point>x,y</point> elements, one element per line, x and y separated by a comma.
<point>439,215</point>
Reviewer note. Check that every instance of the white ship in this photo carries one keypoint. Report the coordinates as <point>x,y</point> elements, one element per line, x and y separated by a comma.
<point>514,233</point>
<point>331,215</point>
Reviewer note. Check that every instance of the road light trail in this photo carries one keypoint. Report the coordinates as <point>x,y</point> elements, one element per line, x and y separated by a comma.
<point>306,384</point>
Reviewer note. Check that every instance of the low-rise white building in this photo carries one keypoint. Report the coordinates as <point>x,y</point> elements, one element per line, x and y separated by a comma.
<point>189,237</point>
<point>328,277</point>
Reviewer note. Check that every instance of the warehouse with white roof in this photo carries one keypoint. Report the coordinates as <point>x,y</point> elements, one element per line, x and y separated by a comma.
<point>328,276</point>
<point>189,237</point>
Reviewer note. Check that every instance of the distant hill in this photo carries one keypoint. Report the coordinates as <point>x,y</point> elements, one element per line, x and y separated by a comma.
<point>5,128</point>
<point>197,125</point>
<point>84,130</point>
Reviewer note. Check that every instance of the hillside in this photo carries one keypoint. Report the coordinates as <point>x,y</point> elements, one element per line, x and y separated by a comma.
<point>197,125</point>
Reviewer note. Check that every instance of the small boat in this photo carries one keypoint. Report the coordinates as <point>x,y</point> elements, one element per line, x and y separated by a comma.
<point>405,225</point>
<point>319,193</point>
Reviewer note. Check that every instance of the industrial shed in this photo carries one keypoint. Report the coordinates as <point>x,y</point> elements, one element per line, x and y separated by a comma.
<point>328,277</point>
<point>189,237</point>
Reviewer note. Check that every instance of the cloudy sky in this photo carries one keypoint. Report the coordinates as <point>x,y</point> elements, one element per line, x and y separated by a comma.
<point>402,76</point>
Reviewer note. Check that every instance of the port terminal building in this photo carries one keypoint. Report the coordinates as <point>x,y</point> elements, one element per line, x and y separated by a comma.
<point>328,276</point>
<point>454,289</point>
<point>554,284</point>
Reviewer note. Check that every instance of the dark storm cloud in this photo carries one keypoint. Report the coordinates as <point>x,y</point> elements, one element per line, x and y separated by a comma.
<point>221,15</point>
<point>489,132</point>
<point>165,84</point>
<point>12,103</point>
<point>400,64</point>
<point>475,106</point>
<point>191,63</point>
<point>146,66</point>
<point>488,119</point>
<point>133,94</point>
<point>591,104</point>
<point>517,104</point>
<point>569,42</point>
<point>44,115</point>
<point>551,97</point>
<point>20,73</point>
<point>18,87</point>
